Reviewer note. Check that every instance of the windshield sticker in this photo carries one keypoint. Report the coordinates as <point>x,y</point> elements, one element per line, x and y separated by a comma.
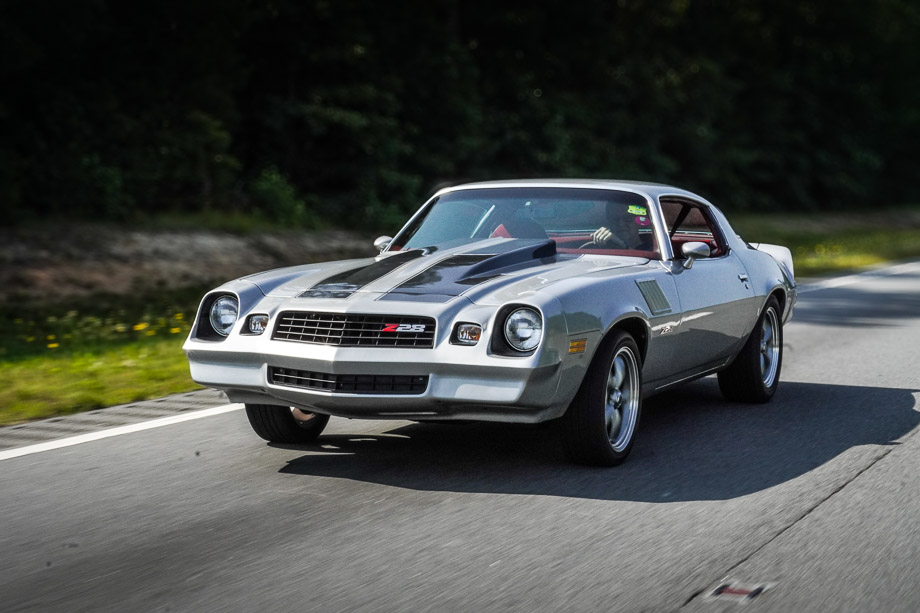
<point>637,210</point>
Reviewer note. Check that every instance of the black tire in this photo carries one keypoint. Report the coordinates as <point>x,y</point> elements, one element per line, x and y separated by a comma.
<point>279,424</point>
<point>754,375</point>
<point>599,427</point>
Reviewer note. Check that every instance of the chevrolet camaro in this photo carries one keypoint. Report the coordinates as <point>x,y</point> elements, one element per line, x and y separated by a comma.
<point>511,301</point>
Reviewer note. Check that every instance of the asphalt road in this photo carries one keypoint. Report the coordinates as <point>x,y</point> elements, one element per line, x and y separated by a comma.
<point>814,497</point>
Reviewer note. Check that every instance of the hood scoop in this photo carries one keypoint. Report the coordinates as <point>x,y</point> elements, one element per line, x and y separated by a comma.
<point>456,274</point>
<point>526,255</point>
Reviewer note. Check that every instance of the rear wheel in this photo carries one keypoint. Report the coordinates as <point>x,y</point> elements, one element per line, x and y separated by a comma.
<point>754,375</point>
<point>279,424</point>
<point>600,425</point>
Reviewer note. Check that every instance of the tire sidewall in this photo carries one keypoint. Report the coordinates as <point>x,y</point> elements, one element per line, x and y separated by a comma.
<point>779,339</point>
<point>765,393</point>
<point>743,381</point>
<point>585,428</point>
<point>276,424</point>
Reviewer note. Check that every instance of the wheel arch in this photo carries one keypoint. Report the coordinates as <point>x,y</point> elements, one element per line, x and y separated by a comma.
<point>634,326</point>
<point>780,294</point>
<point>637,328</point>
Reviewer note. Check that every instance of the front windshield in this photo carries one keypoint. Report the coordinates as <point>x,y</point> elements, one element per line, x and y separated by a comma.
<point>579,220</point>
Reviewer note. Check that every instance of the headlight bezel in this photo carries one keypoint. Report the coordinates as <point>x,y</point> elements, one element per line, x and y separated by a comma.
<point>204,330</point>
<point>228,304</point>
<point>513,347</point>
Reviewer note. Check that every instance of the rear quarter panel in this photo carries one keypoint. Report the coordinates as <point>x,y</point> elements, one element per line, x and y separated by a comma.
<point>766,275</point>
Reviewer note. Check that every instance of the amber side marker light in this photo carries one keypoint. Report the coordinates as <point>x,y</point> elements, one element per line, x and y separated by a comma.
<point>578,346</point>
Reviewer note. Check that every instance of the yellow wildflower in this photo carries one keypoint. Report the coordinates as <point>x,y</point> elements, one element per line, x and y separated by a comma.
<point>53,345</point>
<point>141,326</point>
<point>175,330</point>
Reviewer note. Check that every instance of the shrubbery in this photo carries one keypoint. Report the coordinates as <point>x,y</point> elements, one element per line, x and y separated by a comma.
<point>354,111</point>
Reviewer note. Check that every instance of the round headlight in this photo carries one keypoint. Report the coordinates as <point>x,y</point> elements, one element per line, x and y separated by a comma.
<point>224,312</point>
<point>524,329</point>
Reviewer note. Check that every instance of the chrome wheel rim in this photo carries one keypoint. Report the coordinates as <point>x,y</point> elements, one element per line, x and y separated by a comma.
<point>769,348</point>
<point>621,408</point>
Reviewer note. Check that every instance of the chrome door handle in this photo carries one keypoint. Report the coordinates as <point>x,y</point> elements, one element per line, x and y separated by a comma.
<point>742,277</point>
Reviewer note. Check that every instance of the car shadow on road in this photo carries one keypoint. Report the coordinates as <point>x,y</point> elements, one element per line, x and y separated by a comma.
<point>692,445</point>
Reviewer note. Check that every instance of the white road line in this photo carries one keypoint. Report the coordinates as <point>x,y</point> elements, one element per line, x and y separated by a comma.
<point>888,271</point>
<point>95,436</point>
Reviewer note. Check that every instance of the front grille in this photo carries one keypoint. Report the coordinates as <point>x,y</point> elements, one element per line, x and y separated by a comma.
<point>353,330</point>
<point>349,384</point>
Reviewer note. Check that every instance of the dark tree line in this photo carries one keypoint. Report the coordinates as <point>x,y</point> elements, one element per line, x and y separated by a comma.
<point>355,110</point>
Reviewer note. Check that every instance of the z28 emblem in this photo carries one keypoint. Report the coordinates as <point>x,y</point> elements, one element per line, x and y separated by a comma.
<point>403,328</point>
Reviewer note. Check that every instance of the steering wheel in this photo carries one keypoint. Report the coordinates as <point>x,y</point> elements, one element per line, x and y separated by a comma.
<point>614,242</point>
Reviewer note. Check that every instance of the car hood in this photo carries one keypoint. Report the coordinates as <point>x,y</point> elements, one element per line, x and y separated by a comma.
<point>475,271</point>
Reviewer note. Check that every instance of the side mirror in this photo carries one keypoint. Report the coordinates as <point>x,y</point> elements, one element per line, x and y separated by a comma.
<point>382,242</point>
<point>693,250</point>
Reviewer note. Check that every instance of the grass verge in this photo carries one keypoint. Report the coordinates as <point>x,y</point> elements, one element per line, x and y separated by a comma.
<point>58,384</point>
<point>826,244</point>
<point>92,353</point>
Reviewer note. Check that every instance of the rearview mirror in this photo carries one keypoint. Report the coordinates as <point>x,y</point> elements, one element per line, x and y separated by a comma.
<point>382,242</point>
<point>693,250</point>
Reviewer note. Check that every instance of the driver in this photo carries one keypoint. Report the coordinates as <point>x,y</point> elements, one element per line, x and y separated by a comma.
<point>624,230</point>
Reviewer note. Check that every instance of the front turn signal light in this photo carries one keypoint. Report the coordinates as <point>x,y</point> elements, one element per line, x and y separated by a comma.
<point>467,334</point>
<point>257,324</point>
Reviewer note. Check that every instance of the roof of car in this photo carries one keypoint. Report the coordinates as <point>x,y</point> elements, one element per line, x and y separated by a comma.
<point>651,189</point>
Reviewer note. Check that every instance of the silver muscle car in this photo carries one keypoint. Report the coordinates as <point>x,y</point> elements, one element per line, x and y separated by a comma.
<point>513,301</point>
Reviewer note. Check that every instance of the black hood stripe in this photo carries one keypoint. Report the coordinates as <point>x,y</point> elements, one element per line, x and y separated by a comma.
<point>439,282</point>
<point>444,279</point>
<point>456,274</point>
<point>344,284</point>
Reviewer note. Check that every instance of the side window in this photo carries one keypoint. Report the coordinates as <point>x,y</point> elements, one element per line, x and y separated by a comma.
<point>688,221</point>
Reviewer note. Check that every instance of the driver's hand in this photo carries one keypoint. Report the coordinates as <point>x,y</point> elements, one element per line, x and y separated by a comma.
<point>602,237</point>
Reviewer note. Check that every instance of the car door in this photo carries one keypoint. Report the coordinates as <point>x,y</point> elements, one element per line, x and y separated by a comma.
<point>716,300</point>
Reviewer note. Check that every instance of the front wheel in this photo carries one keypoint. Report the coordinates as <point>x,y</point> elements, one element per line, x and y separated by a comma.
<point>279,424</point>
<point>754,375</point>
<point>600,425</point>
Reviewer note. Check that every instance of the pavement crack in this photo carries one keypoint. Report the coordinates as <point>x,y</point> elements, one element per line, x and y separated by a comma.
<point>692,597</point>
<point>798,519</point>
